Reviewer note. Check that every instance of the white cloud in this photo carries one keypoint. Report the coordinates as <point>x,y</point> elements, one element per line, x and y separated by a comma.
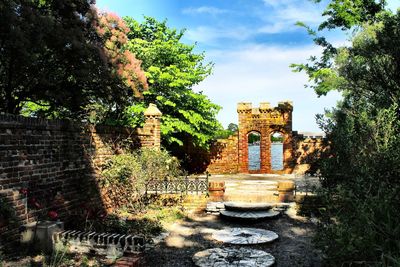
<point>283,15</point>
<point>210,35</point>
<point>258,73</point>
<point>204,10</point>
<point>274,16</point>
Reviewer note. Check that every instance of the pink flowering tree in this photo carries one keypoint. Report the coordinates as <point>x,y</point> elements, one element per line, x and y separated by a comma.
<point>124,65</point>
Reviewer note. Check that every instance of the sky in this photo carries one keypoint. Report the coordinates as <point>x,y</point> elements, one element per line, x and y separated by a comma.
<point>251,43</point>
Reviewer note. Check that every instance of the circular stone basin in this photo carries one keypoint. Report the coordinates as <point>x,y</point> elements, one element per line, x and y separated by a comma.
<point>249,215</point>
<point>226,257</point>
<point>245,206</point>
<point>244,236</point>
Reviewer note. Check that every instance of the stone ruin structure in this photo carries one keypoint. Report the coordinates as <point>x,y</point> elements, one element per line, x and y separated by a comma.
<point>265,120</point>
<point>231,155</point>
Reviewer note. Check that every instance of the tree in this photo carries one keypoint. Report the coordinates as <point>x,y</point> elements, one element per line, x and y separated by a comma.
<point>233,127</point>
<point>344,14</point>
<point>123,66</point>
<point>360,174</point>
<point>172,69</point>
<point>53,59</point>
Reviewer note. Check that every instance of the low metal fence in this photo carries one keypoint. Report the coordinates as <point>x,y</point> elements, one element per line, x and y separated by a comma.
<point>185,185</point>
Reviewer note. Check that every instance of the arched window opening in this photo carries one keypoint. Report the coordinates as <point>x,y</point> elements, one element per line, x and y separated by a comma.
<point>277,151</point>
<point>253,139</point>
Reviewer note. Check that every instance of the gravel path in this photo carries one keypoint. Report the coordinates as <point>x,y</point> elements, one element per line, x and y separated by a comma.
<point>186,237</point>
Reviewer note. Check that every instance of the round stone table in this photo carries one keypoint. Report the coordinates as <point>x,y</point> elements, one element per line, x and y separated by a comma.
<point>227,257</point>
<point>244,236</point>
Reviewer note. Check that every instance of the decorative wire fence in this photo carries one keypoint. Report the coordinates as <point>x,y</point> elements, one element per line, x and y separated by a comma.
<point>185,185</point>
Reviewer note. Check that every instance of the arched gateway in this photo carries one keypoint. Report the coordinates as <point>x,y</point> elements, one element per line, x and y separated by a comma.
<point>265,120</point>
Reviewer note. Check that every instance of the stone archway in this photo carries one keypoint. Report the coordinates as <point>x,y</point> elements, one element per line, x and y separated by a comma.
<point>266,120</point>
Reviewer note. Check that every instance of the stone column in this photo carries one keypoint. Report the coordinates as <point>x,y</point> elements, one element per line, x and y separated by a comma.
<point>152,126</point>
<point>244,111</point>
<point>288,154</point>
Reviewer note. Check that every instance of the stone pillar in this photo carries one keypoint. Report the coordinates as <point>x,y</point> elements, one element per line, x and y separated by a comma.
<point>288,155</point>
<point>152,126</point>
<point>244,111</point>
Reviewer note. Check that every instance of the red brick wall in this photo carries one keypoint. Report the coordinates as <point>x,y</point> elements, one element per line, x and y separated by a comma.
<point>231,155</point>
<point>224,156</point>
<point>57,161</point>
<point>307,151</point>
<point>265,120</point>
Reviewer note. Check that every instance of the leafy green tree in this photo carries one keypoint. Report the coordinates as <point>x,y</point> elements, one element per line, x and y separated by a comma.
<point>233,127</point>
<point>172,69</point>
<point>253,137</point>
<point>53,59</point>
<point>360,173</point>
<point>344,14</point>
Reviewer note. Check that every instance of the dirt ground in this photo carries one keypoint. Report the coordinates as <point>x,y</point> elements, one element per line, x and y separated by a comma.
<point>293,248</point>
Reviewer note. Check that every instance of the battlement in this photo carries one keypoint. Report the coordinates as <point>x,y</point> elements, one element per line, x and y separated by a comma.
<point>247,107</point>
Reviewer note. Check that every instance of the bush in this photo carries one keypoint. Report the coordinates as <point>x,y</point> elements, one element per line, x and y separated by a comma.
<point>124,176</point>
<point>361,184</point>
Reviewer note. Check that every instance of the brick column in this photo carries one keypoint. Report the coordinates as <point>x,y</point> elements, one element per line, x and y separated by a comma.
<point>244,111</point>
<point>152,125</point>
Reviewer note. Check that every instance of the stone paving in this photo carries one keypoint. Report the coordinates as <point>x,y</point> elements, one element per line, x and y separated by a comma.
<point>244,236</point>
<point>229,257</point>
<point>196,239</point>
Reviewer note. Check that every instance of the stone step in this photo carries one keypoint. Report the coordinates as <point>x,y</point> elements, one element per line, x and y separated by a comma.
<point>247,216</point>
<point>247,206</point>
<point>251,198</point>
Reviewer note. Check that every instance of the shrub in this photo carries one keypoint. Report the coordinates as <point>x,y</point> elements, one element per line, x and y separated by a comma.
<point>361,185</point>
<point>124,176</point>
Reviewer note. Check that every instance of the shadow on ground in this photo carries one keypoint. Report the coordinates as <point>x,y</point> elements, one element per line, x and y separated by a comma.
<point>293,248</point>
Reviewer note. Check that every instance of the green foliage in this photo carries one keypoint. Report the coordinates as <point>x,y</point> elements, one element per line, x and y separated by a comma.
<point>349,13</point>
<point>115,224</point>
<point>125,175</point>
<point>58,256</point>
<point>253,137</point>
<point>360,175</point>
<point>232,129</point>
<point>172,69</point>
<point>54,61</point>
<point>276,138</point>
<point>345,14</point>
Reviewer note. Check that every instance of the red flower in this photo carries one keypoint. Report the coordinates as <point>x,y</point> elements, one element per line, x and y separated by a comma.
<point>24,191</point>
<point>33,202</point>
<point>52,214</point>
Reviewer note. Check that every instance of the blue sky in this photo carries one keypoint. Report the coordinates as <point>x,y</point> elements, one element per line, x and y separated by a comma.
<point>252,43</point>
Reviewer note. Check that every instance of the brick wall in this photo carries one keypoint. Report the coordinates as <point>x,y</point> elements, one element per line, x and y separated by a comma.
<point>299,152</point>
<point>58,162</point>
<point>307,150</point>
<point>224,156</point>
